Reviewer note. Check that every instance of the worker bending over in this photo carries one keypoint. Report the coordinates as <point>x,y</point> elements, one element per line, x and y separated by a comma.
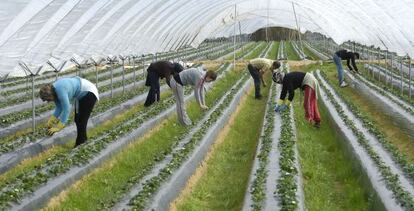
<point>307,82</point>
<point>157,70</point>
<point>65,91</point>
<point>195,77</point>
<point>257,67</point>
<point>348,56</point>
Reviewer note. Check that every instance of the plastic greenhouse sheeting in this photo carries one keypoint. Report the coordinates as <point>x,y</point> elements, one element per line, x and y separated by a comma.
<point>33,31</point>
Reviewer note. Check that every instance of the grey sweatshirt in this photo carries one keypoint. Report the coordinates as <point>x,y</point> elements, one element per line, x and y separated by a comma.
<point>194,77</point>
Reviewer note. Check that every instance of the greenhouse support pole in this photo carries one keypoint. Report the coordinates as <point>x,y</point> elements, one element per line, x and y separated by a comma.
<point>133,70</point>
<point>386,67</point>
<point>111,65</point>
<point>33,104</point>
<point>123,73</point>
<point>401,76</point>
<point>96,77</point>
<point>143,65</point>
<point>379,62</point>
<point>297,26</point>
<point>267,22</point>
<point>392,76</point>
<point>234,37</point>
<point>409,77</point>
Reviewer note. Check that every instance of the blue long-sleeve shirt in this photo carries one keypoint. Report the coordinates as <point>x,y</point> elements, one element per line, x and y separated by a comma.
<point>67,91</point>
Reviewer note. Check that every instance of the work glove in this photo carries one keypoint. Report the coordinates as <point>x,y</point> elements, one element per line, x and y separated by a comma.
<point>52,121</point>
<point>56,129</point>
<point>282,105</point>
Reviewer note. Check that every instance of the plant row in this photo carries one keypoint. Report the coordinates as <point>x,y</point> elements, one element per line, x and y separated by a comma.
<point>139,201</point>
<point>392,182</point>
<point>258,188</point>
<point>385,91</point>
<point>368,123</point>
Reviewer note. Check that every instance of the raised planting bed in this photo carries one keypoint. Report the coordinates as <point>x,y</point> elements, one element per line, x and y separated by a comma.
<point>298,51</point>
<point>273,51</point>
<point>391,188</point>
<point>387,78</point>
<point>319,54</point>
<point>289,188</point>
<point>258,51</point>
<point>259,195</point>
<point>282,51</point>
<point>406,109</point>
<point>375,132</point>
<point>290,52</point>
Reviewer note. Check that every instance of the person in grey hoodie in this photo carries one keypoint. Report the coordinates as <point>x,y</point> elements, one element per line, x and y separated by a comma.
<point>195,77</point>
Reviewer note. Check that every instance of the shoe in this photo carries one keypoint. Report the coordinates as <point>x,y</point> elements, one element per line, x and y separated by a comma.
<point>259,97</point>
<point>343,84</point>
<point>317,125</point>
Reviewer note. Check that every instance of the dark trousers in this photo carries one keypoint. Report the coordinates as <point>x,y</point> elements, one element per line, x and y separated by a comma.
<point>256,78</point>
<point>153,81</point>
<point>82,115</point>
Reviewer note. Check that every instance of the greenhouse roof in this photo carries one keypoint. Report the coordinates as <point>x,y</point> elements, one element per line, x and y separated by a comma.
<point>34,31</point>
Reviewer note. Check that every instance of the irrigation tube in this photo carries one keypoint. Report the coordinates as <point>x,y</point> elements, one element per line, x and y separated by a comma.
<point>178,180</point>
<point>374,177</point>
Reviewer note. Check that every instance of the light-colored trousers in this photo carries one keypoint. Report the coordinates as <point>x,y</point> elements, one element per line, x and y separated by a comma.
<point>178,91</point>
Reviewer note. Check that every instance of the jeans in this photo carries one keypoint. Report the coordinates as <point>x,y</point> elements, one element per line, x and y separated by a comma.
<point>256,78</point>
<point>338,63</point>
<point>86,105</point>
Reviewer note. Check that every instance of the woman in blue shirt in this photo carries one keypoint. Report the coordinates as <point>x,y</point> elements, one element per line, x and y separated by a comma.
<point>64,92</point>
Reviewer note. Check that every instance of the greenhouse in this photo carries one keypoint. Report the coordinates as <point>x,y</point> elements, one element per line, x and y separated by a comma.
<point>206,105</point>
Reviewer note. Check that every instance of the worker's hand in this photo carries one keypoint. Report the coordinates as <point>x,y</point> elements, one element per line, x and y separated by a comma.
<point>287,103</point>
<point>56,129</point>
<point>52,121</point>
<point>282,105</point>
<point>204,107</point>
<point>281,108</point>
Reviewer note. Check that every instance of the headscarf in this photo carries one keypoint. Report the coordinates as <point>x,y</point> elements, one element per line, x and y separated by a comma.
<point>278,76</point>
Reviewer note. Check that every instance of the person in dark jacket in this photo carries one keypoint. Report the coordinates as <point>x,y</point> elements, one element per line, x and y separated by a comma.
<point>349,57</point>
<point>304,81</point>
<point>155,72</point>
